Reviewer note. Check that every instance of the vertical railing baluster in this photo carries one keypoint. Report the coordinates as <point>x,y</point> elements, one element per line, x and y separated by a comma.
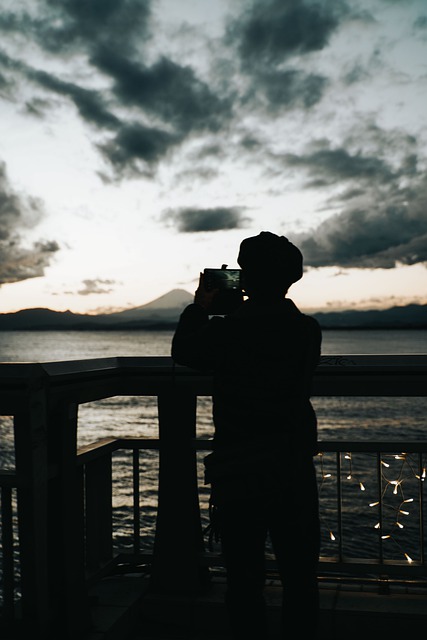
<point>380,508</point>
<point>136,502</point>
<point>421,506</point>
<point>339,506</point>
<point>7,552</point>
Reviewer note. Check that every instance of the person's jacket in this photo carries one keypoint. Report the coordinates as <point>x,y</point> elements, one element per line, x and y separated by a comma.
<point>262,359</point>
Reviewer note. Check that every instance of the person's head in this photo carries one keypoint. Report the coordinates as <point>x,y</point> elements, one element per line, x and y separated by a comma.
<point>270,265</point>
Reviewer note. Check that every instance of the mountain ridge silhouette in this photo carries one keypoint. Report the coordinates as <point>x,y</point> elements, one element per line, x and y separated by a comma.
<point>164,312</point>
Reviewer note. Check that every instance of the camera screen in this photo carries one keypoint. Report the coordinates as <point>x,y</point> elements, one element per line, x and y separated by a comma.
<point>223,279</point>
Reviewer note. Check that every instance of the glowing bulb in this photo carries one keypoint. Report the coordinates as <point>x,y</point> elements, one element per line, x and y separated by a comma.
<point>373,504</point>
<point>385,537</point>
<point>423,476</point>
<point>347,456</point>
<point>409,500</point>
<point>331,535</point>
<point>384,463</point>
<point>409,559</point>
<point>405,513</point>
<point>377,526</point>
<point>400,525</point>
<point>362,488</point>
<point>327,475</point>
<point>349,477</point>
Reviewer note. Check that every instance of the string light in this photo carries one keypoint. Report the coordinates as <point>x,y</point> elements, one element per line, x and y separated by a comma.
<point>397,483</point>
<point>394,484</point>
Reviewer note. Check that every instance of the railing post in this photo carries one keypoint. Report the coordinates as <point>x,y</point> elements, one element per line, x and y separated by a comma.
<point>178,541</point>
<point>30,427</point>
<point>66,524</point>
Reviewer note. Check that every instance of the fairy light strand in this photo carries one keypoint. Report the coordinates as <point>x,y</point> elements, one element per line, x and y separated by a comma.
<point>389,484</point>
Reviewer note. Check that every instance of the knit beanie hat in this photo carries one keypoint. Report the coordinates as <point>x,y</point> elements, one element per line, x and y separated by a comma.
<point>272,257</point>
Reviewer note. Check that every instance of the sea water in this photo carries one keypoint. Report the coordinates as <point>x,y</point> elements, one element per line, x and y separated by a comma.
<point>341,418</point>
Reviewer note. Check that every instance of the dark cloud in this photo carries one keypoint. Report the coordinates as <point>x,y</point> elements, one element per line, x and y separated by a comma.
<point>150,107</point>
<point>37,107</point>
<point>89,103</point>
<point>379,237</point>
<point>327,166</point>
<point>271,31</point>
<point>369,157</point>
<point>271,39</point>
<point>69,25</point>
<point>190,220</point>
<point>154,108</point>
<point>145,107</point>
<point>380,203</point>
<point>136,149</point>
<point>288,89</point>
<point>96,286</point>
<point>18,263</point>
<point>378,230</point>
<point>18,213</point>
<point>420,23</point>
<point>166,90</point>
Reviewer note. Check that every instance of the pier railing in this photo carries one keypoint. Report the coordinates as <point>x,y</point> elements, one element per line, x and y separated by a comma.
<point>57,522</point>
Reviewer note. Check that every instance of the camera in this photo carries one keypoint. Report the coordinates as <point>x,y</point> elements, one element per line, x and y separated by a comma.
<point>228,283</point>
<point>223,279</point>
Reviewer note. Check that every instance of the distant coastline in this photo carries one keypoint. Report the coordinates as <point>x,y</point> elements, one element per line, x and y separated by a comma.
<point>163,313</point>
<point>165,326</point>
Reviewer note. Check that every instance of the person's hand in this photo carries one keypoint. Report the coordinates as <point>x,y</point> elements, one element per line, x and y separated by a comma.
<point>203,297</point>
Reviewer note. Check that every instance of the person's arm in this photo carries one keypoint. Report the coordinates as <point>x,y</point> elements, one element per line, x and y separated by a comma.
<point>193,341</point>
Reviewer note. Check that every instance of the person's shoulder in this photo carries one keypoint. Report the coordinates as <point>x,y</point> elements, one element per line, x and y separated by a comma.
<point>311,322</point>
<point>307,320</point>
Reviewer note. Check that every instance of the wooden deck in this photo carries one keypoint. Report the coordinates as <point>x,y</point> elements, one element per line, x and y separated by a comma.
<point>123,608</point>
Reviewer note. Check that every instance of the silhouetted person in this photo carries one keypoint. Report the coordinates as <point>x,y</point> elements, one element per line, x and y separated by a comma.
<point>262,476</point>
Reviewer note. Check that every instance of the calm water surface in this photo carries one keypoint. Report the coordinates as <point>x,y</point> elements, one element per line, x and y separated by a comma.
<point>45,346</point>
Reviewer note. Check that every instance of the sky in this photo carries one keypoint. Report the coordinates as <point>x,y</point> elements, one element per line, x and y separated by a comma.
<point>142,140</point>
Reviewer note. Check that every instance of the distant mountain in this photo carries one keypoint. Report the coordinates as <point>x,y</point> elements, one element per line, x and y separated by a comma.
<point>168,306</point>
<point>412,316</point>
<point>163,313</point>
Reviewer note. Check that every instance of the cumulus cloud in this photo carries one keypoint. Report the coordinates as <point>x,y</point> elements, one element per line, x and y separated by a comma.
<point>18,213</point>
<point>191,220</point>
